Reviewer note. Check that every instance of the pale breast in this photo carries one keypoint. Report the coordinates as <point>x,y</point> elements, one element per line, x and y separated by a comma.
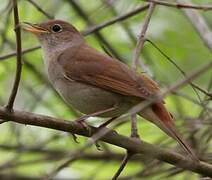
<point>89,99</point>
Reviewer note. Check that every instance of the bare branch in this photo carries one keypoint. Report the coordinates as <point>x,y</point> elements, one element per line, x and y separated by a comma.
<point>141,39</point>
<point>40,9</point>
<point>116,19</point>
<point>107,135</point>
<point>19,63</point>
<point>98,34</point>
<point>181,5</point>
<point>172,88</point>
<point>136,53</point>
<point>192,100</point>
<point>194,86</point>
<point>199,24</point>
<point>4,57</point>
<point>123,164</point>
<point>111,137</point>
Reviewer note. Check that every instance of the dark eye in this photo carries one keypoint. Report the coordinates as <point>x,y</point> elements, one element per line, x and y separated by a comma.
<point>56,28</point>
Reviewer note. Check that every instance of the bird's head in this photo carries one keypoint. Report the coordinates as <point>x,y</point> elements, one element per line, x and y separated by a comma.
<point>54,33</point>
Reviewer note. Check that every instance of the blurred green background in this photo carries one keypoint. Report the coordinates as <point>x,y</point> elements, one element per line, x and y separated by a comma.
<point>32,152</point>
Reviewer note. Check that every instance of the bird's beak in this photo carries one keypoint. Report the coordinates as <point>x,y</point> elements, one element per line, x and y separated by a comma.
<point>34,28</point>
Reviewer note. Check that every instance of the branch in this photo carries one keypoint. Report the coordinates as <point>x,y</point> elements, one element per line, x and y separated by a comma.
<point>4,57</point>
<point>136,53</point>
<point>194,86</point>
<point>111,137</point>
<point>124,162</point>
<point>40,9</point>
<point>115,19</point>
<point>19,64</point>
<point>181,5</point>
<point>75,4</point>
<point>188,98</point>
<point>14,176</point>
<point>141,39</point>
<point>200,25</point>
<point>88,31</point>
<point>172,88</point>
<point>63,153</point>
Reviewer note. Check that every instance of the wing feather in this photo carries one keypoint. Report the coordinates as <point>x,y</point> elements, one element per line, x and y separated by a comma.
<point>90,66</point>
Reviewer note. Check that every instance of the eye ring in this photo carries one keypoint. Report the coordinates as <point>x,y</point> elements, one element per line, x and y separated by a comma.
<point>56,28</point>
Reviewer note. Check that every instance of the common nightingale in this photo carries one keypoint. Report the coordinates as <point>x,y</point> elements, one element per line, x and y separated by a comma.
<point>94,82</point>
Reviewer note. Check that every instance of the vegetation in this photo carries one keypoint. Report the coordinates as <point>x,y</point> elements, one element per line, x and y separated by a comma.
<point>178,44</point>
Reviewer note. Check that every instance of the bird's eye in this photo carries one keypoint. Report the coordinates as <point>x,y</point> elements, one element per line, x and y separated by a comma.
<point>56,28</point>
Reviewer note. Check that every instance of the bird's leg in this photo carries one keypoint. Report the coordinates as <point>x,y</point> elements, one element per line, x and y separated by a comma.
<point>82,120</point>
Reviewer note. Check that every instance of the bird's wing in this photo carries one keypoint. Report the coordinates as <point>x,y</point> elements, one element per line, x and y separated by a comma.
<point>89,66</point>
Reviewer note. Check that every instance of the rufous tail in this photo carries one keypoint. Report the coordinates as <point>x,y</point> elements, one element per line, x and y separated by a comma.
<point>158,115</point>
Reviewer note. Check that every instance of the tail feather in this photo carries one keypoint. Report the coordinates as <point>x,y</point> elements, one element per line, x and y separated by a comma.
<point>163,119</point>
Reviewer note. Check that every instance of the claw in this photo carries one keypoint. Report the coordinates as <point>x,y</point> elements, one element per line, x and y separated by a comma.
<point>82,122</point>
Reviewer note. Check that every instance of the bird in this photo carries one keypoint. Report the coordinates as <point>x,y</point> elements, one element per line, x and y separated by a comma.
<point>95,83</point>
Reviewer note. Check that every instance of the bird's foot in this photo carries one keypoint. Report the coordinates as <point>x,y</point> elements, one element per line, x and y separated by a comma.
<point>83,123</point>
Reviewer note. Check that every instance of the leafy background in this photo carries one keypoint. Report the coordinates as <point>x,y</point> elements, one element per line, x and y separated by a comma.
<point>33,152</point>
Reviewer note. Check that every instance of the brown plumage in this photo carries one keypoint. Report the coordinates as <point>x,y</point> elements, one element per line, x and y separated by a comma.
<point>92,81</point>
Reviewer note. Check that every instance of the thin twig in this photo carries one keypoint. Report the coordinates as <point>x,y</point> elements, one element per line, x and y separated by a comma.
<point>63,153</point>
<point>192,100</point>
<point>40,76</point>
<point>75,4</point>
<point>115,19</point>
<point>14,163</point>
<point>194,86</point>
<point>133,110</point>
<point>74,157</point>
<point>40,9</point>
<point>172,88</point>
<point>181,5</point>
<point>19,56</point>
<point>207,102</point>
<point>124,25</point>
<point>136,53</point>
<point>78,153</point>
<point>89,30</point>
<point>199,24</point>
<point>74,128</point>
<point>127,156</point>
<point>111,137</point>
<point>4,57</point>
<point>141,39</point>
<point>202,90</point>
